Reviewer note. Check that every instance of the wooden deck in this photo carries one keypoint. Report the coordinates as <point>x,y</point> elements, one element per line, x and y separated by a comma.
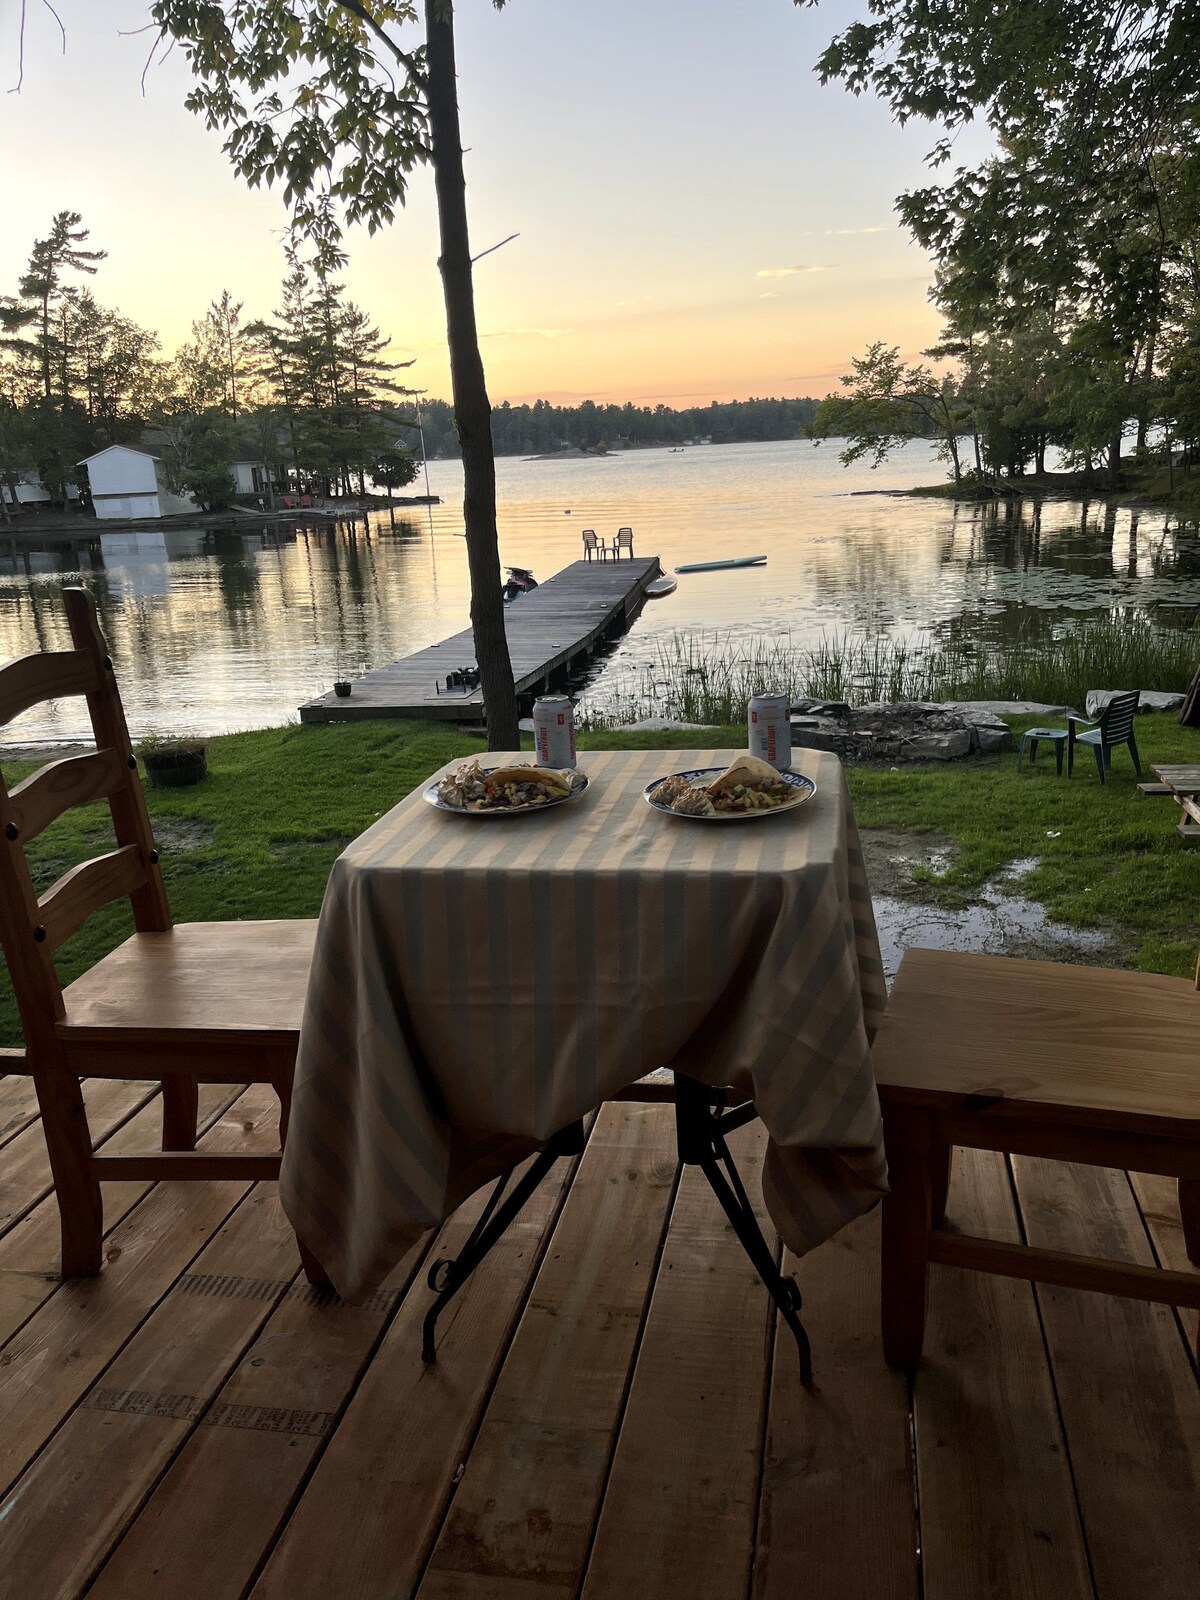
<point>565,618</point>
<point>613,1415</point>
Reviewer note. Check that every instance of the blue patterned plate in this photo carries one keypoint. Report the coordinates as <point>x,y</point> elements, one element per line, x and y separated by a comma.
<point>804,788</point>
<point>579,785</point>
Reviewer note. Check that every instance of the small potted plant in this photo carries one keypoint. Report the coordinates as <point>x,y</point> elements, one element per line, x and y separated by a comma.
<point>173,763</point>
<point>341,684</point>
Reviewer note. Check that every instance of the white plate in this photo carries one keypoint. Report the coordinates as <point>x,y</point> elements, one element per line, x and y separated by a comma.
<point>805,789</point>
<point>430,797</point>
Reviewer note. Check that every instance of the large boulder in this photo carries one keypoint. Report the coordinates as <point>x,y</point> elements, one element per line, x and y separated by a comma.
<point>1152,700</point>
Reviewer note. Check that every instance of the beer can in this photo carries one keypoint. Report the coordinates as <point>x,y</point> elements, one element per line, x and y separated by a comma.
<point>554,731</point>
<point>770,720</point>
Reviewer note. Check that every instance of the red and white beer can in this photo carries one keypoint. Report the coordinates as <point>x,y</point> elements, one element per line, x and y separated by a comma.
<point>554,731</point>
<point>770,720</point>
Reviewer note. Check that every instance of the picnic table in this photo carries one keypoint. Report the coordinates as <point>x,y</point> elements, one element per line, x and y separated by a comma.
<point>1183,785</point>
<point>479,984</point>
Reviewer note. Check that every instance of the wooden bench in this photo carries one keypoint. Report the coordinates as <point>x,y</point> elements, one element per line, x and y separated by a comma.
<point>1030,1058</point>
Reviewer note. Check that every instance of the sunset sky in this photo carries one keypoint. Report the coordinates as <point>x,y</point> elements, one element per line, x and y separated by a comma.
<point>699,219</point>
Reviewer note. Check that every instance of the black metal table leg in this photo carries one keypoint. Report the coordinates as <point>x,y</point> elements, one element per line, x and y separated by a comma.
<point>700,1129</point>
<point>447,1276</point>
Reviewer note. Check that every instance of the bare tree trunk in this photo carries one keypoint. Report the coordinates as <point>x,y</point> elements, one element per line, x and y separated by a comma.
<point>472,409</point>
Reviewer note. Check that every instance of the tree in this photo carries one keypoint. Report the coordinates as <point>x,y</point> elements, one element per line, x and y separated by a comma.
<point>216,367</point>
<point>199,456</point>
<point>42,287</point>
<point>1081,217</point>
<point>890,403</point>
<point>394,467</point>
<point>329,97</point>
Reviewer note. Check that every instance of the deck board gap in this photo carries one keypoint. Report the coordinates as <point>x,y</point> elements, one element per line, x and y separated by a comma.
<point>418,1271</point>
<point>439,1523</point>
<point>652,1282</point>
<point>1052,1374</point>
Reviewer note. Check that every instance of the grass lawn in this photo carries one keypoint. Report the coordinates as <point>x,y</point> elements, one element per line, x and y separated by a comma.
<point>258,838</point>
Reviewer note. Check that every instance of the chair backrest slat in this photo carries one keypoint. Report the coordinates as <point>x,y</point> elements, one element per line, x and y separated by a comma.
<point>32,929</point>
<point>67,905</point>
<point>51,676</point>
<point>589,538</point>
<point>56,787</point>
<point>1116,720</point>
<point>131,820</point>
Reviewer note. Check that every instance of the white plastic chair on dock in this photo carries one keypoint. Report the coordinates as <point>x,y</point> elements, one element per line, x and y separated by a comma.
<point>593,546</point>
<point>623,541</point>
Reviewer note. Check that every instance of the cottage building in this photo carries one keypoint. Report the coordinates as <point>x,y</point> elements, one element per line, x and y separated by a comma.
<point>130,483</point>
<point>30,491</point>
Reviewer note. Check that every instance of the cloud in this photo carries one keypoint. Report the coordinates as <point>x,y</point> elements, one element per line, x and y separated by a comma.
<point>786,272</point>
<point>770,295</point>
<point>525,333</point>
<point>845,233</point>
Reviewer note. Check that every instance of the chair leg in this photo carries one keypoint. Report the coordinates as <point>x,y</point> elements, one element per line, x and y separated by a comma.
<point>181,1108</point>
<point>1098,750</point>
<point>941,1165</point>
<point>907,1210</point>
<point>69,1144</point>
<point>1133,751</point>
<point>1189,1210</point>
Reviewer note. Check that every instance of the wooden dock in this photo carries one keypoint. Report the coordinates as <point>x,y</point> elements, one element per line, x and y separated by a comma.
<point>563,620</point>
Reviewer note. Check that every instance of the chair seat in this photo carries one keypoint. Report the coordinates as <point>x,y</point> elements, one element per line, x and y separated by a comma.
<point>202,983</point>
<point>1092,736</point>
<point>1109,1046</point>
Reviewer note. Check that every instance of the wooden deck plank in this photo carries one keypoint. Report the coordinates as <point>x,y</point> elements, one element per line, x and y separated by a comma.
<point>1126,1389</point>
<point>25,1166</point>
<point>838,1479</point>
<point>29,1253</point>
<point>18,1104</point>
<point>389,1471</point>
<point>997,1503</point>
<point>89,1481</point>
<point>1158,1201</point>
<point>521,1519</point>
<point>231,1487</point>
<point>62,1350</point>
<point>683,1519</point>
<point>565,617</point>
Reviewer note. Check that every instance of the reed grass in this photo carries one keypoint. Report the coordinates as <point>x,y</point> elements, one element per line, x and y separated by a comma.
<point>707,678</point>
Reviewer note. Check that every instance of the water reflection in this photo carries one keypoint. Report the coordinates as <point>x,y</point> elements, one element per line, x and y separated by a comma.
<point>230,628</point>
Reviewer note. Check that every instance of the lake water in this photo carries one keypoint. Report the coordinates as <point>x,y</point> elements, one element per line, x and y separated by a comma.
<point>215,631</point>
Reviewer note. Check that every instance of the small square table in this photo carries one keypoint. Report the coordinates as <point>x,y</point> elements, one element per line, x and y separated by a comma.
<point>480,983</point>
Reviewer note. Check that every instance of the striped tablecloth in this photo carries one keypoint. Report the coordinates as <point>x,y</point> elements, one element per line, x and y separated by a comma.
<point>479,984</point>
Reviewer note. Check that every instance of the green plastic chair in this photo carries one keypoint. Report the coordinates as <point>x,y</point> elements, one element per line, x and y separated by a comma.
<point>1114,727</point>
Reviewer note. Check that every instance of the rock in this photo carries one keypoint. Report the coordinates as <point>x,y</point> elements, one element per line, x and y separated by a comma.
<point>1152,700</point>
<point>988,740</point>
<point>1009,708</point>
<point>942,746</point>
<point>820,708</point>
<point>658,725</point>
<point>814,738</point>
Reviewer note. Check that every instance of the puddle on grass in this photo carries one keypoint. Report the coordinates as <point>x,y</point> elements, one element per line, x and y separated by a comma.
<point>997,923</point>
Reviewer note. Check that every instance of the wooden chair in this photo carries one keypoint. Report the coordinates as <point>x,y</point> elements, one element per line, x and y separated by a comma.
<point>216,1002</point>
<point>1114,727</point>
<point>1038,1059</point>
<point>623,541</point>
<point>592,546</point>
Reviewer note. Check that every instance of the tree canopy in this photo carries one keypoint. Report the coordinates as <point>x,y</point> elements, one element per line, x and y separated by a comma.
<point>1068,260</point>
